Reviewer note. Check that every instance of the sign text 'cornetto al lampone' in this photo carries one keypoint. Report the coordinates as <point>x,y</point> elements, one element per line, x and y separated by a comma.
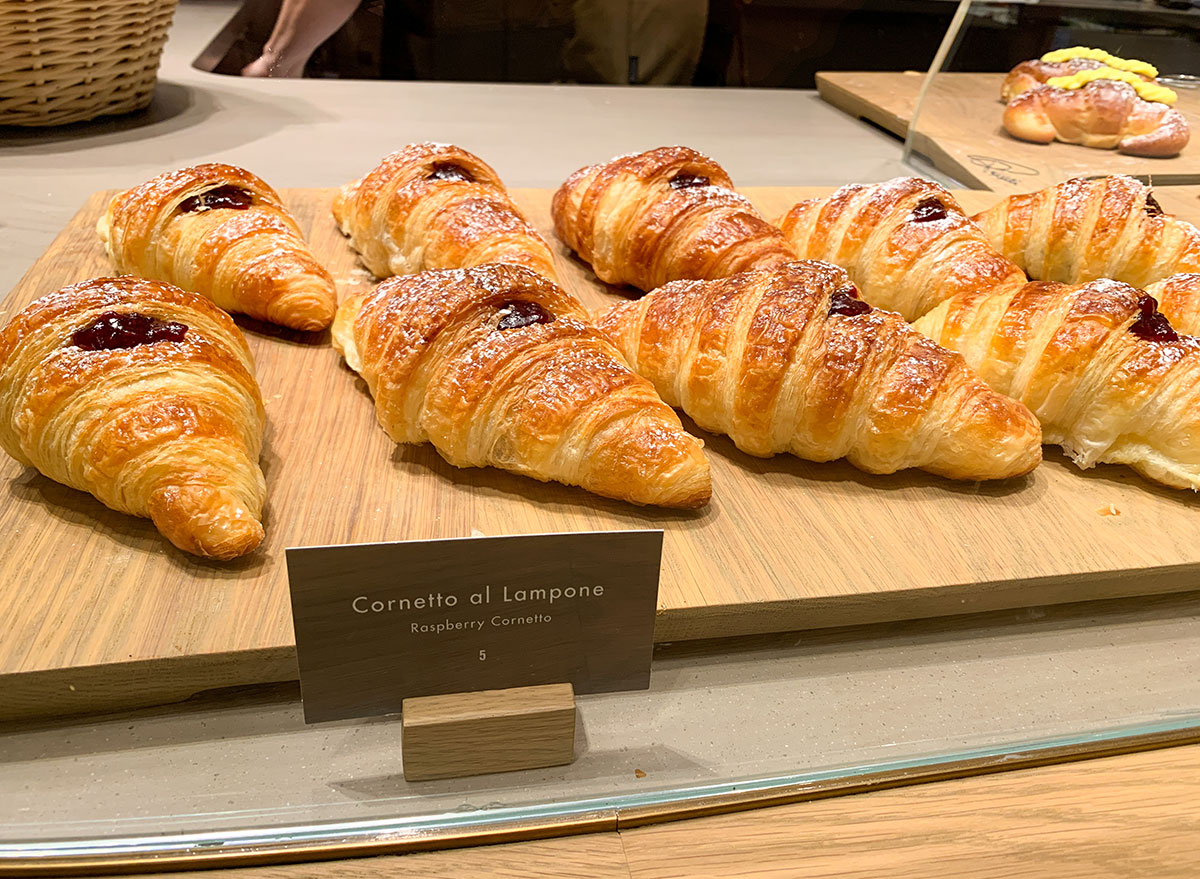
<point>378,623</point>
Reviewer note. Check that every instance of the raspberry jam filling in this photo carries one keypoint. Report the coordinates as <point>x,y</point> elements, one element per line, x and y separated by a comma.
<point>1151,324</point>
<point>522,314</point>
<point>845,301</point>
<point>233,197</point>
<point>449,171</point>
<point>113,330</point>
<point>684,181</point>
<point>929,209</point>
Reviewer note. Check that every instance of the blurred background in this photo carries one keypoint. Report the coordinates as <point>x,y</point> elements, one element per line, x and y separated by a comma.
<point>736,43</point>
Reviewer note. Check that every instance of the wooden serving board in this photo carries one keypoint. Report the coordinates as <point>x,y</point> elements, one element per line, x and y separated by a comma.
<point>960,132</point>
<point>98,611</point>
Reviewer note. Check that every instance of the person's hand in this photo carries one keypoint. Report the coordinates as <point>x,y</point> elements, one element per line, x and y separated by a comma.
<point>300,27</point>
<point>269,63</point>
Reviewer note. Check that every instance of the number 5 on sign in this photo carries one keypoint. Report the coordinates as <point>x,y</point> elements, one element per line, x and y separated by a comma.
<point>482,655</point>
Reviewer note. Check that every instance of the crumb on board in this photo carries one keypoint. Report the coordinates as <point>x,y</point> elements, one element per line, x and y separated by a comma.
<point>639,774</point>
<point>1109,510</point>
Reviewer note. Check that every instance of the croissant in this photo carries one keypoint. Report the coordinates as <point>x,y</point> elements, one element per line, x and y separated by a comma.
<point>497,366</point>
<point>663,215</point>
<point>1081,230</point>
<point>790,360</point>
<point>436,206</point>
<point>143,395</point>
<point>906,243</point>
<point>1179,300</point>
<point>224,233</point>
<point>1105,373</point>
<point>1103,114</point>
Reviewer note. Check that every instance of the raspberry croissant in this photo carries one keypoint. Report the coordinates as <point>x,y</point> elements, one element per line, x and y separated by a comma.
<point>1106,374</point>
<point>436,206</point>
<point>663,215</point>
<point>144,395</point>
<point>496,366</point>
<point>906,243</point>
<point>1081,230</point>
<point>1179,300</point>
<point>789,360</point>
<point>224,233</point>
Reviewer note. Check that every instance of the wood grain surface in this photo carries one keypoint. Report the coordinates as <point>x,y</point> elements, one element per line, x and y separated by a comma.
<point>488,731</point>
<point>1112,818</point>
<point>960,131</point>
<point>99,612</point>
<point>595,856</point>
<point>1115,817</point>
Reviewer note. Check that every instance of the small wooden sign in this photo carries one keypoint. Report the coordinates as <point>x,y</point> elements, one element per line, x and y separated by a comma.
<point>488,731</point>
<point>378,623</point>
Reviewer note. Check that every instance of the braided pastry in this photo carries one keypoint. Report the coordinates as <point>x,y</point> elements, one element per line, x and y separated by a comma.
<point>906,243</point>
<point>496,366</point>
<point>143,395</point>
<point>436,206</point>
<point>790,360</point>
<point>1081,230</point>
<point>224,233</point>
<point>1103,114</point>
<point>1030,74</point>
<point>1067,62</point>
<point>663,215</point>
<point>1105,373</point>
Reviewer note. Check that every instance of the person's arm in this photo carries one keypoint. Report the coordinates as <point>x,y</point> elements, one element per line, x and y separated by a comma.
<point>302,25</point>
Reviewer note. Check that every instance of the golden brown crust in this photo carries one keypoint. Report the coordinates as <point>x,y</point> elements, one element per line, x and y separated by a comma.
<point>1179,299</point>
<point>634,225</point>
<point>1031,74</point>
<point>1081,230</point>
<point>437,206</point>
<point>551,400</point>
<point>252,261</point>
<point>898,261</point>
<point>169,430</point>
<point>1105,114</point>
<point>765,358</point>
<point>1074,356</point>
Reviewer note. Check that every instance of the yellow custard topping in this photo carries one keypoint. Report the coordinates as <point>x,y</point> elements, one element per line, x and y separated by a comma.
<point>1131,64</point>
<point>1147,91</point>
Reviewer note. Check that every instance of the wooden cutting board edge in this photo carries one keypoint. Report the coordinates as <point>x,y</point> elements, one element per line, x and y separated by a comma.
<point>88,689</point>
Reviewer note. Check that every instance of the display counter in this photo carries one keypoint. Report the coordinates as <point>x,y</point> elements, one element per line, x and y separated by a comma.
<point>748,716</point>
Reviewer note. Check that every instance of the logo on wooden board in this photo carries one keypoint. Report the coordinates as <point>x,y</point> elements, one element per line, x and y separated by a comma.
<point>378,623</point>
<point>1003,169</point>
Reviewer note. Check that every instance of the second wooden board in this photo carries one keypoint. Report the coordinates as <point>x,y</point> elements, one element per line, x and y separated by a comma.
<point>959,131</point>
<point>99,611</point>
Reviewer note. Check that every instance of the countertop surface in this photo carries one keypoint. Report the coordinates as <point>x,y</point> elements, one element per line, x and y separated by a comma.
<point>1116,818</point>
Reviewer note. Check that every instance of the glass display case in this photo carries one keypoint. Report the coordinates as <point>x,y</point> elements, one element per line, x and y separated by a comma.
<point>239,778</point>
<point>819,630</point>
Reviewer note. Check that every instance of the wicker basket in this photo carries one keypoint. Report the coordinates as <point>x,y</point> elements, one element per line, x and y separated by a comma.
<point>70,60</point>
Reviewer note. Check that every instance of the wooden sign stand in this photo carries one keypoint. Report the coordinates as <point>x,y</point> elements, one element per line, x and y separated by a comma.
<point>488,731</point>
